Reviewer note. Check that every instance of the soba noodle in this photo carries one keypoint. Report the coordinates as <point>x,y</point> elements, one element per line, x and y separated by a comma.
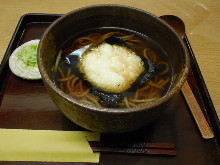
<point>74,86</point>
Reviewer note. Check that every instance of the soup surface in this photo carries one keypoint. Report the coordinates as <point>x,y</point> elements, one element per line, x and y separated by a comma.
<point>68,76</point>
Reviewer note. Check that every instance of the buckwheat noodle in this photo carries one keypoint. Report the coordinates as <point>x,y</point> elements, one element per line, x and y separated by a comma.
<point>73,85</point>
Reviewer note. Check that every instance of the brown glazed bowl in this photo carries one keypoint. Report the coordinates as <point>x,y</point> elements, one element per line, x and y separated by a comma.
<point>111,120</point>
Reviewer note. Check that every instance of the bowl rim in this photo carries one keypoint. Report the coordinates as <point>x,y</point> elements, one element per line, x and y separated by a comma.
<point>154,104</point>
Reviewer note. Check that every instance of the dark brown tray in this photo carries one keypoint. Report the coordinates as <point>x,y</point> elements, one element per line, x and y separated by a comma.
<point>26,105</point>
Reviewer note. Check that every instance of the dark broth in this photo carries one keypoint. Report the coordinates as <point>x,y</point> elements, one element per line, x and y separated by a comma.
<point>67,77</point>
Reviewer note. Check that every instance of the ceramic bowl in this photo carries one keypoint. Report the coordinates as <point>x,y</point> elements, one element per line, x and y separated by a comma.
<point>111,120</point>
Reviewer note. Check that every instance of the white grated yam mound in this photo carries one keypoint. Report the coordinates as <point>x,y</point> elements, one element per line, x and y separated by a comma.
<point>111,68</point>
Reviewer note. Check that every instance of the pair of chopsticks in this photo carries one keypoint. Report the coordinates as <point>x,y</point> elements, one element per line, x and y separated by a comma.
<point>138,148</point>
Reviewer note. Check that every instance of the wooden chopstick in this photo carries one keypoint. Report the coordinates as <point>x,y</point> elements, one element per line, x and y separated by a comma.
<point>137,148</point>
<point>132,144</point>
<point>134,151</point>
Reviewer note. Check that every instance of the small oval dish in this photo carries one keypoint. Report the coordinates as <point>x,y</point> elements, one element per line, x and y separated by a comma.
<point>23,61</point>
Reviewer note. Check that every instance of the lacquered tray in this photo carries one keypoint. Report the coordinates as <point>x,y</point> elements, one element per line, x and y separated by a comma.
<point>26,105</point>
